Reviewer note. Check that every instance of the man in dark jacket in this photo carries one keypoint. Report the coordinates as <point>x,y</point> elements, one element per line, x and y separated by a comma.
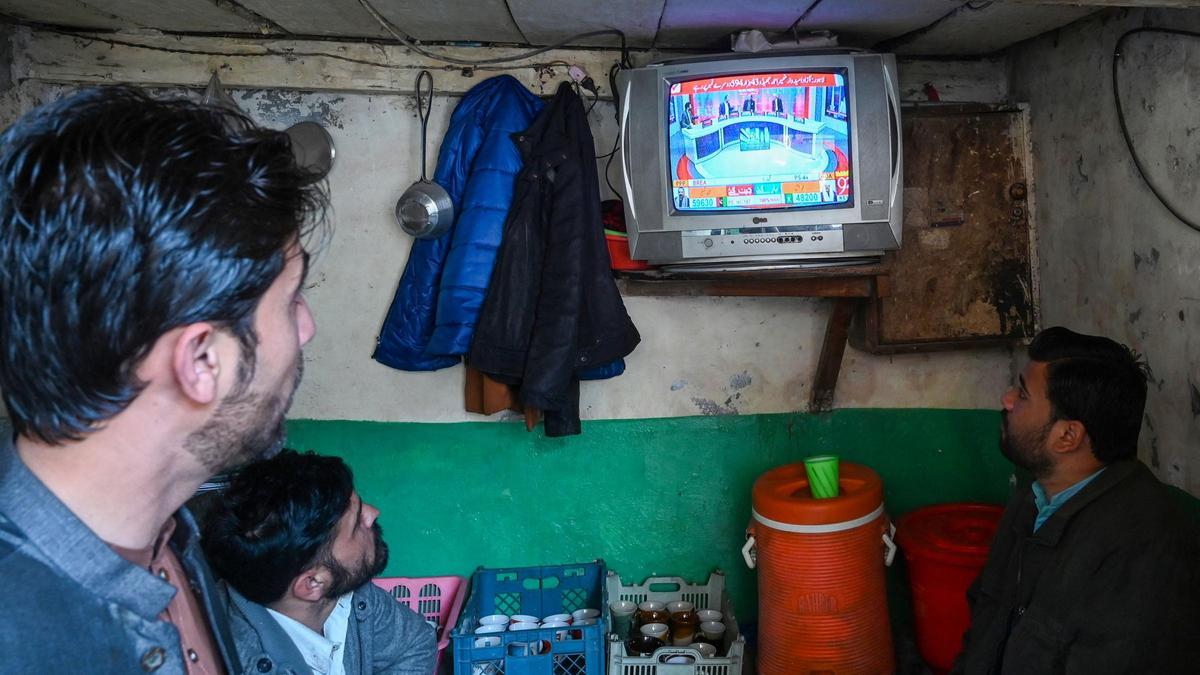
<point>1093,568</point>
<point>552,310</point>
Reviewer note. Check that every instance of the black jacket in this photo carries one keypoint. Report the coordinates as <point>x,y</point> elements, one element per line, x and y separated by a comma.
<point>552,309</point>
<point>1109,584</point>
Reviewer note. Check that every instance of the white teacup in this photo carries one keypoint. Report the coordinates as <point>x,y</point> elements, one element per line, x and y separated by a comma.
<point>709,615</point>
<point>488,641</point>
<point>652,606</point>
<point>680,606</point>
<point>554,618</point>
<point>494,620</point>
<point>493,628</point>
<point>585,614</point>
<point>559,635</point>
<point>622,607</point>
<point>585,622</point>
<point>523,618</point>
<point>658,630</point>
<point>524,625</point>
<point>706,650</point>
<point>713,630</point>
<point>681,658</point>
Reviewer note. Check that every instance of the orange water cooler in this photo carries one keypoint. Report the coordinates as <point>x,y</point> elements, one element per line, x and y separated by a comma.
<point>822,600</point>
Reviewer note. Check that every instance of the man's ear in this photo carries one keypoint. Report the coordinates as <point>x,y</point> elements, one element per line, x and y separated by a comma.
<point>196,364</point>
<point>1067,436</point>
<point>310,586</point>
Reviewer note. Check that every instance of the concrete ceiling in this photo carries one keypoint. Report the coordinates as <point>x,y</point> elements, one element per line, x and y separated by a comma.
<point>925,27</point>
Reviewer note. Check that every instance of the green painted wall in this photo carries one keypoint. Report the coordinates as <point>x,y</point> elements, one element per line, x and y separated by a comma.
<point>650,496</point>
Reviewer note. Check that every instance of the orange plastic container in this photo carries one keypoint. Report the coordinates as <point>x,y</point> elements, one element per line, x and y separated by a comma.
<point>822,601</point>
<point>946,547</point>
<point>618,253</point>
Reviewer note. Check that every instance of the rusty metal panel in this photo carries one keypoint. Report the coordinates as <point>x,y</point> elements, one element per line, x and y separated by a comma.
<point>964,275</point>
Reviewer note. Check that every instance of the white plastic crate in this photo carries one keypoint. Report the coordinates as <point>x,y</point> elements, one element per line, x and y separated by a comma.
<point>667,589</point>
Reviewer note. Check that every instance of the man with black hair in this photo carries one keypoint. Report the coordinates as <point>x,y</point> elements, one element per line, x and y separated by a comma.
<point>1093,569</point>
<point>298,547</point>
<point>151,326</point>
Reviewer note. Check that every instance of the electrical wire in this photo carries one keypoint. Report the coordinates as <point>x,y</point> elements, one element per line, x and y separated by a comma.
<point>411,43</point>
<point>616,94</point>
<point>1137,162</point>
<point>608,166</point>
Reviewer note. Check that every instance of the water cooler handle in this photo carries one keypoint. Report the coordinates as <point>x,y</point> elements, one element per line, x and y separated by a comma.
<point>749,552</point>
<point>889,544</point>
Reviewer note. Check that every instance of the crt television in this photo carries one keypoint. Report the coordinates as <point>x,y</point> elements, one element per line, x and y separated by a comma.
<point>747,159</point>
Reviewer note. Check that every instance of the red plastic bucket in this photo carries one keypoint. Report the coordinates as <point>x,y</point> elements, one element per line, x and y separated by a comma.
<point>946,546</point>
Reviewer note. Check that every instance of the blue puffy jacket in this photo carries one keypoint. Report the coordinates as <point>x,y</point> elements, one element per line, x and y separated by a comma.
<point>432,317</point>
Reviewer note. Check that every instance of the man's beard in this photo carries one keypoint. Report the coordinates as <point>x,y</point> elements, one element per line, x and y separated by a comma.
<point>245,426</point>
<point>344,580</point>
<point>1026,450</point>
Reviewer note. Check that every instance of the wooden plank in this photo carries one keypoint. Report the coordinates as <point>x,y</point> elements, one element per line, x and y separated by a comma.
<point>176,60</point>
<point>829,365</point>
<point>963,276</point>
<point>286,63</point>
<point>816,287</point>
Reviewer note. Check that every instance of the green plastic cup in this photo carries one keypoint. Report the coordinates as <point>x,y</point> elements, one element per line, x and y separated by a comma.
<point>822,476</point>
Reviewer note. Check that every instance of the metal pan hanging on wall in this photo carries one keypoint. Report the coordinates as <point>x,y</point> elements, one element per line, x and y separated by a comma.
<point>425,210</point>
<point>313,147</point>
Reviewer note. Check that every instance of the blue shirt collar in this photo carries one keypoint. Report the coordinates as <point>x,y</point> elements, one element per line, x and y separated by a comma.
<point>1047,507</point>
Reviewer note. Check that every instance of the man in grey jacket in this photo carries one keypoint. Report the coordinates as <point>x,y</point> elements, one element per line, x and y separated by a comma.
<point>298,548</point>
<point>151,324</point>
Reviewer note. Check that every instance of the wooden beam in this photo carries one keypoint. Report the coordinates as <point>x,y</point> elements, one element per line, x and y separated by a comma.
<point>816,287</point>
<point>160,60</point>
<point>829,365</point>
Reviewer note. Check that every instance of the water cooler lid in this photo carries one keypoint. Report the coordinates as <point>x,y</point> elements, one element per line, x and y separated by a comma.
<point>952,533</point>
<point>781,495</point>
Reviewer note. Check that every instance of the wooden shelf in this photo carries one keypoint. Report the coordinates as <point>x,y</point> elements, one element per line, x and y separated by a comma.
<point>847,286</point>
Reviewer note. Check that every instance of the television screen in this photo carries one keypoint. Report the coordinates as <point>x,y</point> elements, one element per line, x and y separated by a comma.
<point>759,141</point>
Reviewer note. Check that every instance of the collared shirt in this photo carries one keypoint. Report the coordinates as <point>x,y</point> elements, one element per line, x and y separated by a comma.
<point>325,654</point>
<point>1047,507</point>
<point>71,603</point>
<point>184,610</point>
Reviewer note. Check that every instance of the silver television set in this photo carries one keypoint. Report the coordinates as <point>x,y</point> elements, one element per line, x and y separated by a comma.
<point>748,159</point>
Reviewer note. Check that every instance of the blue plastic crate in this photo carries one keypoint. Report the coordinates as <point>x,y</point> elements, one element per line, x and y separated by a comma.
<point>540,592</point>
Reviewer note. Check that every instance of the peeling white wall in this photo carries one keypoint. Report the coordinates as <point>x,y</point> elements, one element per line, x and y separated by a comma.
<point>698,355</point>
<point>1113,260</point>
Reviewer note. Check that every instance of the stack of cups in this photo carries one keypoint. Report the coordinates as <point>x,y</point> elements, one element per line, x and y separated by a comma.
<point>488,625</point>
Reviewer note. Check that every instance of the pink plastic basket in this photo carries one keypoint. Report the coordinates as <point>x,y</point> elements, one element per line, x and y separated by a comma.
<point>438,599</point>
